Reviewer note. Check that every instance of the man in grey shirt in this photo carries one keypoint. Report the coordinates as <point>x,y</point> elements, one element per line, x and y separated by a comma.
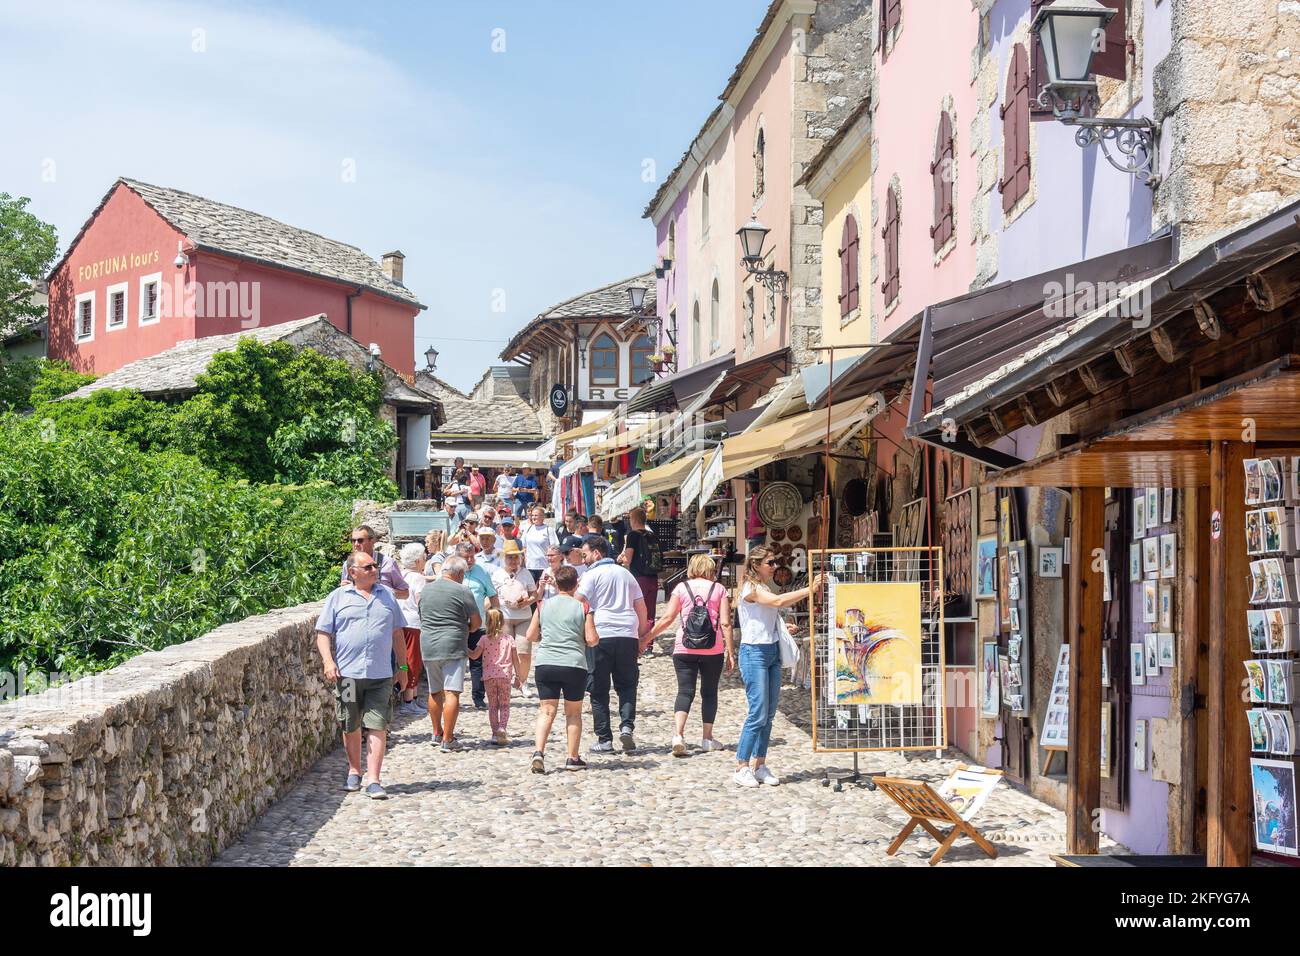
<point>618,611</point>
<point>447,615</point>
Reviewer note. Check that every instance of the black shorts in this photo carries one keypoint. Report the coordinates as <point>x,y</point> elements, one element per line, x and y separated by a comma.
<point>552,681</point>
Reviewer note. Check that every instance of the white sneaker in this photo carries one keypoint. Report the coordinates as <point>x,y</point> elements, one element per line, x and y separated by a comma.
<point>710,745</point>
<point>679,746</point>
<point>745,777</point>
<point>763,775</point>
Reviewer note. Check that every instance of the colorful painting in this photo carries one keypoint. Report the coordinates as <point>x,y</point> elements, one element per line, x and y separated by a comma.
<point>992,682</point>
<point>1273,782</point>
<point>986,568</point>
<point>968,788</point>
<point>877,637</point>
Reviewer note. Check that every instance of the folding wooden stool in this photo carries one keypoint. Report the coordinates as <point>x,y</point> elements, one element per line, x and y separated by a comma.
<point>922,804</point>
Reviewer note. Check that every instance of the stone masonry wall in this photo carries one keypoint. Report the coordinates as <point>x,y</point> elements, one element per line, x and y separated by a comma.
<point>1230,89</point>
<point>166,759</point>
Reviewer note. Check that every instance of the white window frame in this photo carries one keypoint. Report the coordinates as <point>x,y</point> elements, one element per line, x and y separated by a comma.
<point>144,281</point>
<point>76,317</point>
<point>112,290</point>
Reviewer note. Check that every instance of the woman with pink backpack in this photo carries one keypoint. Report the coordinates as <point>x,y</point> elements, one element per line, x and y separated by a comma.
<point>701,609</point>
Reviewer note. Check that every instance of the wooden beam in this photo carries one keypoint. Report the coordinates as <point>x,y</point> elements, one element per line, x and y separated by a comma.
<point>1083,787</point>
<point>1207,320</point>
<point>1273,288</point>
<point>1030,413</point>
<point>1228,789</point>
<point>1182,832</point>
<point>1171,340</point>
<point>1056,392</point>
<point>1101,373</point>
<point>1126,357</point>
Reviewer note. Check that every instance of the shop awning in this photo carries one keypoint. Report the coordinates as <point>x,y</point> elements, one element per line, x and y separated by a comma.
<point>888,367</point>
<point>492,456</point>
<point>621,498</point>
<point>672,391</point>
<point>1168,446</point>
<point>794,436</point>
<point>667,476</point>
<point>575,465</point>
<point>582,431</point>
<point>611,445</point>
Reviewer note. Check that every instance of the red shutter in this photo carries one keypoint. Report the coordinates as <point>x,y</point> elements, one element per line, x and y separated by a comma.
<point>1037,68</point>
<point>941,173</point>
<point>1113,59</point>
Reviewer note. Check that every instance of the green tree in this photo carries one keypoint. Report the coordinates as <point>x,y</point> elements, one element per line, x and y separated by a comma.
<point>27,382</point>
<point>27,250</point>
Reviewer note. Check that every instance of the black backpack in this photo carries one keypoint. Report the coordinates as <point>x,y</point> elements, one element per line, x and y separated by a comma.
<point>698,632</point>
<point>651,557</point>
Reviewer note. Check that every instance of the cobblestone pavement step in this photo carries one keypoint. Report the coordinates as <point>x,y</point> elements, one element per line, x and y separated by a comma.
<point>484,806</point>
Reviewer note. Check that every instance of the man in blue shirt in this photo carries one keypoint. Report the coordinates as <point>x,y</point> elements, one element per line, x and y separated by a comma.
<point>478,579</point>
<point>525,492</point>
<point>358,634</point>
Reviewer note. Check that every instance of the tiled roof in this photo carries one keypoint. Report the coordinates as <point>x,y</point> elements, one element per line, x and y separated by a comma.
<point>430,383</point>
<point>502,417</point>
<point>175,371</point>
<point>231,231</point>
<point>608,301</point>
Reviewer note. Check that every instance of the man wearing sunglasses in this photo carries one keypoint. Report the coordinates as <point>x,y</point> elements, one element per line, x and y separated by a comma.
<point>390,575</point>
<point>359,635</point>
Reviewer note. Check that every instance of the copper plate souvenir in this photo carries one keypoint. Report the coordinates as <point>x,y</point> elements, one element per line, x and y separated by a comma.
<point>794,532</point>
<point>776,534</point>
<point>779,504</point>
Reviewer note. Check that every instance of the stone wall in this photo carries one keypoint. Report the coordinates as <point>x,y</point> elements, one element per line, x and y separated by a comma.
<point>166,759</point>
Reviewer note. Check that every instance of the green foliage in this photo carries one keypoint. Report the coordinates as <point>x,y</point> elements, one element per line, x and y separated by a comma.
<point>146,424</point>
<point>26,382</point>
<point>27,249</point>
<point>108,550</point>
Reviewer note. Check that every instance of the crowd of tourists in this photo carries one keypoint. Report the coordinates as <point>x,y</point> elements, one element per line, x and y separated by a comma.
<point>556,613</point>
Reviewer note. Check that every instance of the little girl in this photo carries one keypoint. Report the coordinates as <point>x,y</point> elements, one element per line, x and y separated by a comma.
<point>498,649</point>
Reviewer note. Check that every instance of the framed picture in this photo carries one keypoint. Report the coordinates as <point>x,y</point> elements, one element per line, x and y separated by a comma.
<point>1166,616</point>
<point>1168,507</point>
<point>1140,745</point>
<point>1049,562</point>
<point>1166,649</point>
<point>1150,555</point>
<point>1105,664</point>
<point>986,568</point>
<point>1105,738</point>
<point>1151,647</point>
<point>1150,603</point>
<point>1014,588</point>
<point>1135,562</point>
<point>1139,515</point>
<point>1004,519</point>
<point>1153,508</point>
<point>1004,676</point>
<point>1015,618</point>
<point>1273,786</point>
<point>1137,665</point>
<point>1015,561</point>
<point>990,681</point>
<point>1105,579</point>
<point>1168,555</point>
<point>1013,647</point>
<point>1004,590</point>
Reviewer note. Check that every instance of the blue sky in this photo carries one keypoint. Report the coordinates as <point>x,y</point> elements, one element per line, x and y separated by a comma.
<point>511,177</point>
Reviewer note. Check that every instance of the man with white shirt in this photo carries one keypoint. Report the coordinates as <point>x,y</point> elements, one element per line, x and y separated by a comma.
<point>618,612</point>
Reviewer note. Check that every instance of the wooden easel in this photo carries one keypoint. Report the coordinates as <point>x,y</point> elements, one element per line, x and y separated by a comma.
<point>1052,751</point>
<point>922,804</point>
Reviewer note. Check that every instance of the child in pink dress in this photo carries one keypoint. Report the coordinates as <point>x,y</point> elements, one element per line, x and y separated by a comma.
<point>498,649</point>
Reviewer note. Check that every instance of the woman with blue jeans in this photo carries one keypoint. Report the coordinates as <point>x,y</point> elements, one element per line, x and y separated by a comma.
<point>760,661</point>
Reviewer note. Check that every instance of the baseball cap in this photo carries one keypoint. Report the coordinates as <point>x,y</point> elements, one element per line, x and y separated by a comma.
<point>486,529</point>
<point>507,519</point>
<point>571,543</point>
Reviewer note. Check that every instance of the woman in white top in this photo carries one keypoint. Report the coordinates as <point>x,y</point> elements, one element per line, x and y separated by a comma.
<point>760,609</point>
<point>535,538</point>
<point>412,560</point>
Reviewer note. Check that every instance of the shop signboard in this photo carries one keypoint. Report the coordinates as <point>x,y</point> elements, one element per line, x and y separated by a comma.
<point>622,498</point>
<point>576,465</point>
<point>712,476</point>
<point>691,486</point>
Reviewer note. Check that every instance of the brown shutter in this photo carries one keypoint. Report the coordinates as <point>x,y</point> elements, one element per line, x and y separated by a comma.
<point>1010,153</point>
<point>941,174</point>
<point>1037,68</point>
<point>851,264</point>
<point>889,288</point>
<point>1113,60</point>
<point>1022,122</point>
<point>895,13</point>
<point>881,28</point>
<point>844,268</point>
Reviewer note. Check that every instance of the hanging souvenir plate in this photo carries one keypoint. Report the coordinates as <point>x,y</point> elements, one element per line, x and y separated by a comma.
<point>794,532</point>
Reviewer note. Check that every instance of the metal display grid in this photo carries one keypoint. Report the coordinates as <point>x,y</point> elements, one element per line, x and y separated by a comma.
<point>880,726</point>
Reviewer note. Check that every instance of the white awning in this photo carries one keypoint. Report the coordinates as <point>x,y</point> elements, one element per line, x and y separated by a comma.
<point>576,465</point>
<point>496,456</point>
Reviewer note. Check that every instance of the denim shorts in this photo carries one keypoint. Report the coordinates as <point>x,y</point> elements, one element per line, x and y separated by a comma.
<point>445,675</point>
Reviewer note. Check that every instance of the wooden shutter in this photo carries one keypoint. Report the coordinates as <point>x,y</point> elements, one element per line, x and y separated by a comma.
<point>941,174</point>
<point>1015,131</point>
<point>1113,60</point>
<point>1037,68</point>
<point>891,14</point>
<point>889,287</point>
<point>849,267</point>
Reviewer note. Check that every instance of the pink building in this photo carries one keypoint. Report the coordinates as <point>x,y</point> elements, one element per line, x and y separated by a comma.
<point>156,266</point>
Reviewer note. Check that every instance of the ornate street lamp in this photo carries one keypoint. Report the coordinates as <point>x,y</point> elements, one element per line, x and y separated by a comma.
<point>431,358</point>
<point>752,235</point>
<point>1071,32</point>
<point>636,298</point>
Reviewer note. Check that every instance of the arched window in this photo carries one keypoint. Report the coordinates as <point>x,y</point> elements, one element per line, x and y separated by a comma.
<point>640,368</point>
<point>848,267</point>
<point>704,206</point>
<point>603,353</point>
<point>672,240</point>
<point>760,164</point>
<point>695,333</point>
<point>714,318</point>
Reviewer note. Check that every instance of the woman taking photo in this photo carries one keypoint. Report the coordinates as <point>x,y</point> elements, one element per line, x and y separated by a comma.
<point>760,661</point>
<point>704,646</point>
<point>435,545</point>
<point>561,632</point>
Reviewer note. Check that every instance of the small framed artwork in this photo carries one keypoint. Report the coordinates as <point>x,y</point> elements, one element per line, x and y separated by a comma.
<point>1049,562</point>
<point>991,682</point>
<point>1105,579</point>
<point>1015,561</point>
<point>1105,664</point>
<point>1004,588</point>
<point>1151,645</point>
<point>1168,555</point>
<point>1105,738</point>
<point>1013,647</point>
<point>1014,588</point>
<point>1015,618</point>
<point>1167,649</point>
<point>1153,508</point>
<point>1150,555</point>
<point>1140,745</point>
<point>1135,562</point>
<point>1004,519</point>
<point>1150,603</point>
<point>1137,664</point>
<point>1166,615</point>
<point>1167,508</point>
<point>986,568</point>
<point>1139,516</point>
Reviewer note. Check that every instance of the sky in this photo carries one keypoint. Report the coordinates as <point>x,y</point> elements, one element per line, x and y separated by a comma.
<point>507,148</point>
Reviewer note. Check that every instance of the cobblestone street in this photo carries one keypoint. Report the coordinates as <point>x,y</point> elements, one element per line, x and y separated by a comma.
<point>483,806</point>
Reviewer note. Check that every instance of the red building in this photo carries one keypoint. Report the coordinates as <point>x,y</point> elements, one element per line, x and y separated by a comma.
<point>155,266</point>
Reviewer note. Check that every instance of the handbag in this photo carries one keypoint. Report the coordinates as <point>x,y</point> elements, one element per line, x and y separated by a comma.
<point>789,648</point>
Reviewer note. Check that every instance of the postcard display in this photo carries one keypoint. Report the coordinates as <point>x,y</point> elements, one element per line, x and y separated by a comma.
<point>1272,497</point>
<point>1013,615</point>
<point>878,650</point>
